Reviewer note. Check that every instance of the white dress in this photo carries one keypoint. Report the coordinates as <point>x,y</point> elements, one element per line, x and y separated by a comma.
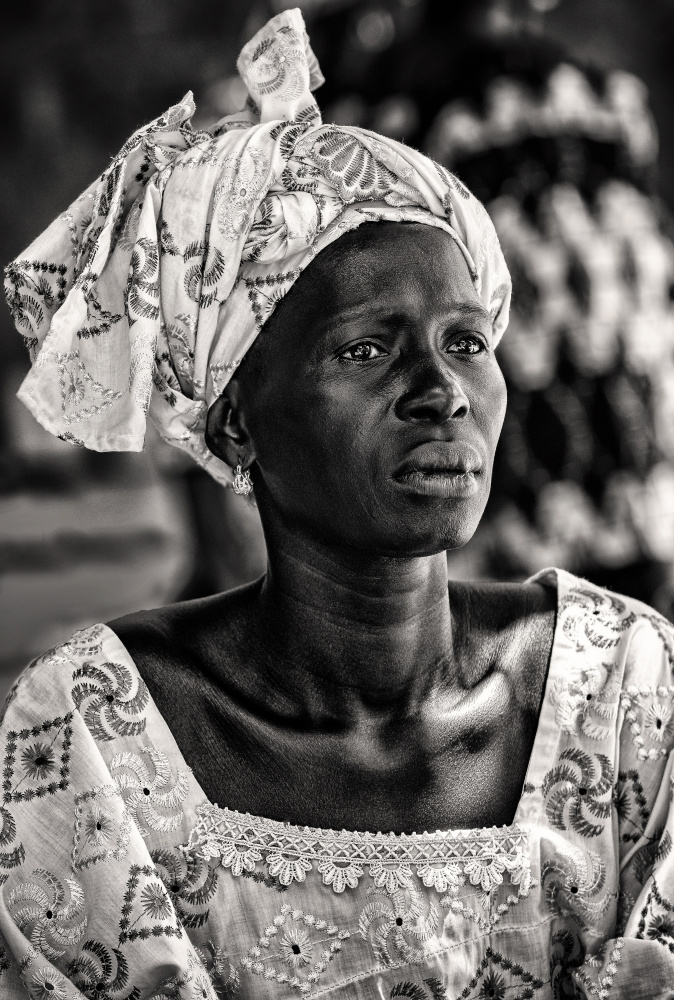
<point>119,880</point>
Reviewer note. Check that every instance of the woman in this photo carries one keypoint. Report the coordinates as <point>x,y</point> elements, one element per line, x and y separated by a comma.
<point>353,688</point>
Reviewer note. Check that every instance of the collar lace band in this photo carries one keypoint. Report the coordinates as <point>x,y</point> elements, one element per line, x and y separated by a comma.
<point>442,860</point>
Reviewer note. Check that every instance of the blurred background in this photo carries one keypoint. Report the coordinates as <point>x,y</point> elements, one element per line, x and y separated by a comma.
<point>557,113</point>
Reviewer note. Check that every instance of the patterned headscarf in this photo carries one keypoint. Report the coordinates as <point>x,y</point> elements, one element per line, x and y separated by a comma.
<point>146,294</point>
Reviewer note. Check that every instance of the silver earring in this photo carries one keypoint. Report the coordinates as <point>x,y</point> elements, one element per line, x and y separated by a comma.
<point>242,484</point>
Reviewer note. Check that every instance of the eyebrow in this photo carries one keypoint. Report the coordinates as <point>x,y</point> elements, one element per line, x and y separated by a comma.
<point>466,311</point>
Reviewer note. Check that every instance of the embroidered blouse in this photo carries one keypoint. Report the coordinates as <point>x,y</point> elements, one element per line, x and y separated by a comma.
<point>120,881</point>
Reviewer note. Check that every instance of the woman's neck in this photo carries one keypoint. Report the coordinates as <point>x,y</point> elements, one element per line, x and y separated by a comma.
<point>341,631</point>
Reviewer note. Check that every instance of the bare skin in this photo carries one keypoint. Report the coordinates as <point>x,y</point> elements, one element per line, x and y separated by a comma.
<point>354,686</point>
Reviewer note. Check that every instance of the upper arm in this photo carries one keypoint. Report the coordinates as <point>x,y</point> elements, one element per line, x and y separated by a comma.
<point>645,783</point>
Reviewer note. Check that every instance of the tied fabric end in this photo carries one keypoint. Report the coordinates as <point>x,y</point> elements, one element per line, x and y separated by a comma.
<point>280,68</point>
<point>80,436</point>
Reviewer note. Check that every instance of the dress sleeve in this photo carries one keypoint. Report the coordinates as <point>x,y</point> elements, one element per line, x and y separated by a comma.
<point>40,906</point>
<point>82,905</point>
<point>645,810</point>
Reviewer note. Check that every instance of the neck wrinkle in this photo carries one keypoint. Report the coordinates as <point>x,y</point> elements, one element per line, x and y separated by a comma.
<point>361,637</point>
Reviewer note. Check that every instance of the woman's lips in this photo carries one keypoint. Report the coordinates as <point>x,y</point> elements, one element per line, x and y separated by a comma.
<point>442,469</point>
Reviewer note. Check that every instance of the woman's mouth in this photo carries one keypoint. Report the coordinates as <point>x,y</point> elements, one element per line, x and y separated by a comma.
<point>449,483</point>
<point>442,469</point>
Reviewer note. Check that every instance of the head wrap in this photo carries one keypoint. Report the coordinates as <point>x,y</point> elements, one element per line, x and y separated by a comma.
<point>146,294</point>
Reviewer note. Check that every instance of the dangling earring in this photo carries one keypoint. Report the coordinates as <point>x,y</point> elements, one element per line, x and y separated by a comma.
<point>242,484</point>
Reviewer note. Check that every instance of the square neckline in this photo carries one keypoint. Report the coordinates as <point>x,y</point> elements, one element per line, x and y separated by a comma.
<point>550,576</point>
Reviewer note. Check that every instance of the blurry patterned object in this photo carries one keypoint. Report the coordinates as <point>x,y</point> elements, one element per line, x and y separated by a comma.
<point>564,158</point>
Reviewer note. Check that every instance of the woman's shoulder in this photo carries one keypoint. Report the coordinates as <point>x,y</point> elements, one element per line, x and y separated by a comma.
<point>188,635</point>
<point>189,652</point>
<point>599,625</point>
<point>64,676</point>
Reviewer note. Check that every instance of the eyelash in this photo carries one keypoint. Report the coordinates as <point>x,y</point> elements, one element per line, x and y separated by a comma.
<point>353,347</point>
<point>469,337</point>
<point>465,338</point>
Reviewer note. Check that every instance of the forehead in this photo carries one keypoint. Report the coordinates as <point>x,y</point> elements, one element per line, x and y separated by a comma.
<point>406,269</point>
<point>385,257</point>
<point>381,262</point>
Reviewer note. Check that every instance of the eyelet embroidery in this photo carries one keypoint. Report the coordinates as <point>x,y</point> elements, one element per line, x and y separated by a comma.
<point>102,828</point>
<point>145,796</point>
<point>298,949</point>
<point>442,860</point>
<point>655,721</point>
<point>391,918</point>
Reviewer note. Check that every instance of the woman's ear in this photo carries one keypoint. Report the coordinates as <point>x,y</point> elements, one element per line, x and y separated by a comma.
<point>226,433</point>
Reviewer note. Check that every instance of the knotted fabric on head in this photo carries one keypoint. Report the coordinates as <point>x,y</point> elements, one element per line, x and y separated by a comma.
<point>143,297</point>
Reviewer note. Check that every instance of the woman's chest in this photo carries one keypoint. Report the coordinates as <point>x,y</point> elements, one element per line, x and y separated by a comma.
<point>428,774</point>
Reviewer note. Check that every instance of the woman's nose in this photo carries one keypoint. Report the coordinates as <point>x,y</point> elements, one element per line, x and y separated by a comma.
<point>436,397</point>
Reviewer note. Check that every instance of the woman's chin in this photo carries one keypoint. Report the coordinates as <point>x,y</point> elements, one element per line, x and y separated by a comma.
<point>416,538</point>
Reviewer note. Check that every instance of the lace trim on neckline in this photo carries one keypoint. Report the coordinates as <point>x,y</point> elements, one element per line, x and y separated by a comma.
<point>444,860</point>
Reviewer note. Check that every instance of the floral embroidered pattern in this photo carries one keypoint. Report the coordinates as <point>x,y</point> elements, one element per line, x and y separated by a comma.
<point>77,385</point>
<point>102,973</point>
<point>151,799</point>
<point>242,185</point>
<point>51,917</point>
<point>143,281</point>
<point>600,983</point>
<point>202,276</point>
<point>493,984</point>
<point>155,916</point>
<point>48,984</point>
<point>277,65</point>
<point>40,759</point>
<point>350,167</point>
<point>34,284</point>
<point>391,919</point>
<point>487,914</point>
<point>190,882</point>
<point>266,293</point>
<point>110,702</point>
<point>654,723</point>
<point>570,794</point>
<point>13,858</point>
<point>587,702</point>
<point>301,955</point>
<point>393,861</point>
<point>223,976</point>
<point>631,805</point>
<point>295,948</point>
<point>413,991</point>
<point>594,618</point>
<point>102,828</point>
<point>571,880</point>
<point>652,850</point>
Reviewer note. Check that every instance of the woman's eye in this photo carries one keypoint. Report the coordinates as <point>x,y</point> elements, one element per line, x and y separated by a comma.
<point>467,345</point>
<point>364,351</point>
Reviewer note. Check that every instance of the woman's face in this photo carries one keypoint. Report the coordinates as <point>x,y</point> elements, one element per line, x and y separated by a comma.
<point>372,400</point>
